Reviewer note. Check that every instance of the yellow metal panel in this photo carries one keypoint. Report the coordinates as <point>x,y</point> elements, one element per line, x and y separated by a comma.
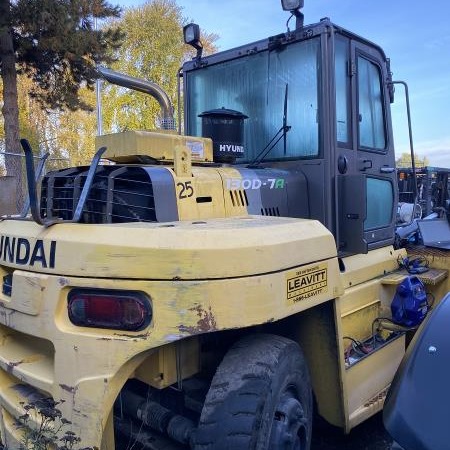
<point>187,250</point>
<point>360,268</point>
<point>160,368</point>
<point>359,307</point>
<point>317,335</point>
<point>370,376</point>
<point>236,201</point>
<point>183,162</point>
<point>122,147</point>
<point>32,287</point>
<point>86,367</point>
<point>200,196</point>
<point>359,297</point>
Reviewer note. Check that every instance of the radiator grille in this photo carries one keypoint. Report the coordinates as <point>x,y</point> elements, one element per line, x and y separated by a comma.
<point>118,194</point>
<point>239,198</point>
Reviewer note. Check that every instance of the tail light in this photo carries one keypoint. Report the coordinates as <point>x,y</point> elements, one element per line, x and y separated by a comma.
<point>116,310</point>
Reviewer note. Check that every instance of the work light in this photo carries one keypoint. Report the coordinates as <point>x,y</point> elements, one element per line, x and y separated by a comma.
<point>191,34</point>
<point>292,5</point>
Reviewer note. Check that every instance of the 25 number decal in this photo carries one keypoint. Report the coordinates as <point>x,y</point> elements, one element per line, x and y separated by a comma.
<point>186,190</point>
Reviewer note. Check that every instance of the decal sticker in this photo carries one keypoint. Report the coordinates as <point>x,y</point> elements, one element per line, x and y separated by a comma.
<point>197,149</point>
<point>186,189</point>
<point>307,282</point>
<point>22,252</point>
<point>254,183</point>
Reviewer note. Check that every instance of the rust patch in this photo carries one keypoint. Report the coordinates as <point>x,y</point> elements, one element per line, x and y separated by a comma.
<point>71,389</point>
<point>132,336</point>
<point>114,338</point>
<point>28,360</point>
<point>205,323</point>
<point>63,281</point>
<point>12,364</point>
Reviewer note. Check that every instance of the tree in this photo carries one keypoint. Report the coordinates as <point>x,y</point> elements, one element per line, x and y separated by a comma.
<point>405,160</point>
<point>54,43</point>
<point>153,51</point>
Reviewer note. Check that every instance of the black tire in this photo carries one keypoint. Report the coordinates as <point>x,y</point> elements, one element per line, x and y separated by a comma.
<point>260,399</point>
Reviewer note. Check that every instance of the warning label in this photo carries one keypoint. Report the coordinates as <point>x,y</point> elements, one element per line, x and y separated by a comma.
<point>306,283</point>
<point>197,149</point>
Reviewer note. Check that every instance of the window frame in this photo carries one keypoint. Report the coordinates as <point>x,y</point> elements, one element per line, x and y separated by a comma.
<point>349,142</point>
<point>361,54</point>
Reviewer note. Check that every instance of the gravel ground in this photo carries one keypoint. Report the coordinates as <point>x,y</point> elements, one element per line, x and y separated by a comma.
<point>370,435</point>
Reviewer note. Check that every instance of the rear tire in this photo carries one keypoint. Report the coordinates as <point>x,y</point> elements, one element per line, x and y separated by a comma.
<point>260,399</point>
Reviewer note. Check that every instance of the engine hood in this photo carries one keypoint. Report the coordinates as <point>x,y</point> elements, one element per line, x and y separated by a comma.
<point>190,250</point>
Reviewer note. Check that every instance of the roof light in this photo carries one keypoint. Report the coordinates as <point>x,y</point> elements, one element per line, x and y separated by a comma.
<point>112,309</point>
<point>191,34</point>
<point>291,5</point>
<point>294,7</point>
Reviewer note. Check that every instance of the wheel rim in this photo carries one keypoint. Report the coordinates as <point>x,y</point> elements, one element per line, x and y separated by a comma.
<point>289,427</point>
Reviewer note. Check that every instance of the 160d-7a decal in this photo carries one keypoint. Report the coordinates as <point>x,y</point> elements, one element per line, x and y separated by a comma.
<point>21,251</point>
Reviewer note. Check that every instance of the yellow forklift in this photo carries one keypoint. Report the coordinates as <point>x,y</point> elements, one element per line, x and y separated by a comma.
<point>218,289</point>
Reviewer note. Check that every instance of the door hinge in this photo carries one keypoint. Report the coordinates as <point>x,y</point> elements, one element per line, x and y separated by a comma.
<point>351,68</point>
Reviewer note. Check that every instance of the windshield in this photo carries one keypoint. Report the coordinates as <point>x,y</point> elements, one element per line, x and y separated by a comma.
<point>256,85</point>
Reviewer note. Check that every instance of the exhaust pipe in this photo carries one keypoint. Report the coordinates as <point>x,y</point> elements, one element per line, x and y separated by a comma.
<point>147,87</point>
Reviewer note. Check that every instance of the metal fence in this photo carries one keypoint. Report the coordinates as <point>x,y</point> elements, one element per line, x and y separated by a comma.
<point>13,185</point>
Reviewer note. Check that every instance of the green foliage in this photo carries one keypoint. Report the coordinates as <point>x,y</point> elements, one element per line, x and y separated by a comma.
<point>50,45</point>
<point>58,47</point>
<point>153,49</point>
<point>405,160</point>
<point>54,44</point>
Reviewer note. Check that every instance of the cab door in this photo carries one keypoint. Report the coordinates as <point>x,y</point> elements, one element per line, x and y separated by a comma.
<point>367,184</point>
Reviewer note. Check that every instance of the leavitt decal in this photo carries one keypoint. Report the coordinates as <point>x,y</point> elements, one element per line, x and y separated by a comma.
<point>307,282</point>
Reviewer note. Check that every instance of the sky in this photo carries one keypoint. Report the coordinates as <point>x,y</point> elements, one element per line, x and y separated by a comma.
<point>414,35</point>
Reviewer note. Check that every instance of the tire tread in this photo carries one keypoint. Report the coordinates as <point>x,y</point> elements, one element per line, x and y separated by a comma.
<point>231,413</point>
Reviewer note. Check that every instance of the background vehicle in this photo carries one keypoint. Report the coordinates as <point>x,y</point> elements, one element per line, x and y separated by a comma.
<point>212,290</point>
<point>433,189</point>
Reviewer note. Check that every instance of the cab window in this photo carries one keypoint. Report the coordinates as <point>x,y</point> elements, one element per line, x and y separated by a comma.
<point>372,129</point>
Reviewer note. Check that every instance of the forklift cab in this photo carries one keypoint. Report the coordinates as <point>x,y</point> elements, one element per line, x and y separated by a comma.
<point>317,101</point>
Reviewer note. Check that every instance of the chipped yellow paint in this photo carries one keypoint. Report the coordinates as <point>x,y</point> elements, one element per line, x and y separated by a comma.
<point>182,164</point>
<point>199,277</point>
<point>199,249</point>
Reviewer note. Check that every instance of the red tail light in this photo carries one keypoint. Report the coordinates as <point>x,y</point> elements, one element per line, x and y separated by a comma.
<point>116,310</point>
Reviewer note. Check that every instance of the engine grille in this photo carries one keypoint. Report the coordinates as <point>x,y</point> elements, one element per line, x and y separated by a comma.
<point>118,194</point>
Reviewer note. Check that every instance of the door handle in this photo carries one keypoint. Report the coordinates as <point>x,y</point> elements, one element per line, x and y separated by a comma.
<point>385,169</point>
